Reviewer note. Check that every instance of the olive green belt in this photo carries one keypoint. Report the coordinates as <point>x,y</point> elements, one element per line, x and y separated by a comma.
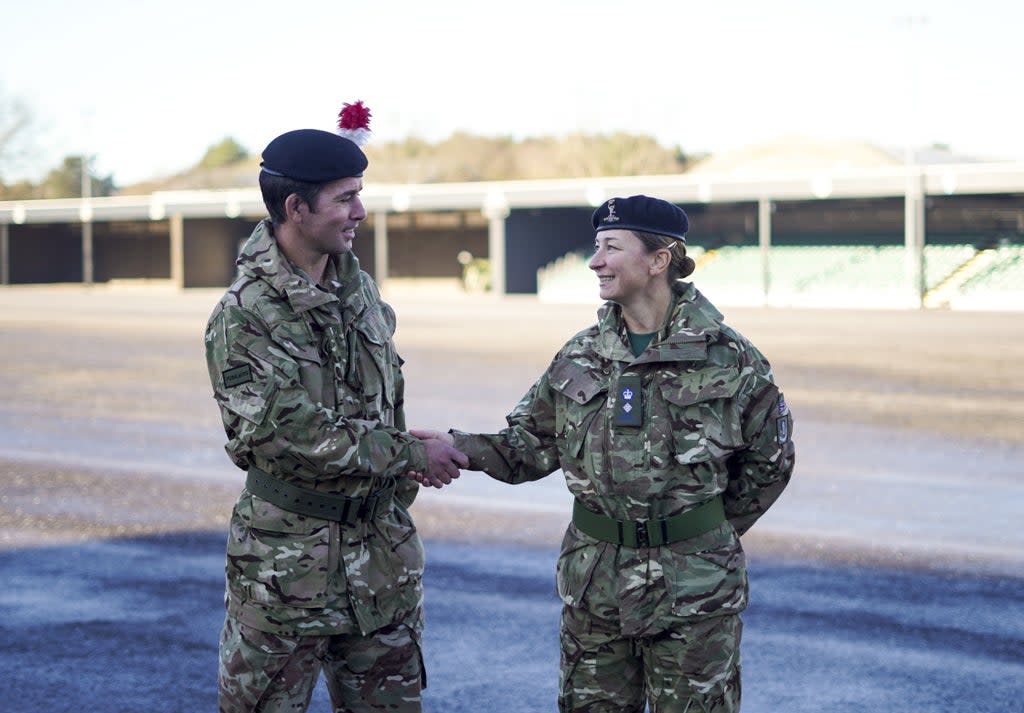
<point>341,508</point>
<point>650,533</point>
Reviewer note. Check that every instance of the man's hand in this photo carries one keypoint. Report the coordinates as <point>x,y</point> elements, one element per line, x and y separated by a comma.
<point>443,460</point>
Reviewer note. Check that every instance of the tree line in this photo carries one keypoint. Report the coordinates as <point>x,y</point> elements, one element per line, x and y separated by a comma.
<point>462,156</point>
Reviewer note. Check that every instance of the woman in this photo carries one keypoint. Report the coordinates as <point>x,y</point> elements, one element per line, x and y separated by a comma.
<point>674,439</point>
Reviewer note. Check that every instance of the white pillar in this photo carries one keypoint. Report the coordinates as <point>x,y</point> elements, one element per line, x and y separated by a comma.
<point>5,254</point>
<point>380,248</point>
<point>87,259</point>
<point>496,247</point>
<point>914,235</point>
<point>177,235</point>
<point>85,214</point>
<point>764,238</point>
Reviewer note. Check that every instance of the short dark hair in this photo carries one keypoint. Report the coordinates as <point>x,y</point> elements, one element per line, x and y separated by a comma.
<point>681,265</point>
<point>276,190</point>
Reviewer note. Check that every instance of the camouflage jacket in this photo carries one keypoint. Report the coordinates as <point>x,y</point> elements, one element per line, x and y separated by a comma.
<point>714,423</point>
<point>310,390</point>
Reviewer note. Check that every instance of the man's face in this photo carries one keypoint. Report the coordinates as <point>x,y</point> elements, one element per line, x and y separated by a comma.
<point>331,229</point>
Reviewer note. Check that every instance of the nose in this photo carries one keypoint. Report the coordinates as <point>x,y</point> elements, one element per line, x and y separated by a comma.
<point>597,261</point>
<point>358,209</point>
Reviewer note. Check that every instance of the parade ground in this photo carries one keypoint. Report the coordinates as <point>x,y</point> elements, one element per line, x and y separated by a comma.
<point>888,577</point>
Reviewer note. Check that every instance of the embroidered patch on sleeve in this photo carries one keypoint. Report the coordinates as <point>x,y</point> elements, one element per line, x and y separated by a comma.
<point>237,376</point>
<point>782,429</point>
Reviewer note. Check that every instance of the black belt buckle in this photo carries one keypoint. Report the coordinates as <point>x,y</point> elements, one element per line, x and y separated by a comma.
<point>643,539</point>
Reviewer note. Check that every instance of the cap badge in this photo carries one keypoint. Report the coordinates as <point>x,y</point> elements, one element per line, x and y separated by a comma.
<point>611,218</point>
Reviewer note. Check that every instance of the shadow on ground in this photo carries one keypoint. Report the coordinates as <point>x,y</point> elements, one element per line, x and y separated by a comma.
<point>132,624</point>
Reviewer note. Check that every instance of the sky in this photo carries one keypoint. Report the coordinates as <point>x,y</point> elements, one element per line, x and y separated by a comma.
<point>144,88</point>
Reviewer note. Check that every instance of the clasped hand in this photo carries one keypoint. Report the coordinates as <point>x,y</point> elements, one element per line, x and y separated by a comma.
<point>443,459</point>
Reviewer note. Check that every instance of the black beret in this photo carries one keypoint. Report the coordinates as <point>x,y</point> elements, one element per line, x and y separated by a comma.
<point>313,156</point>
<point>643,213</point>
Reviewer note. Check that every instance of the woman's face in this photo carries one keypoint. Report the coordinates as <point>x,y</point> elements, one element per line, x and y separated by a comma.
<point>622,265</point>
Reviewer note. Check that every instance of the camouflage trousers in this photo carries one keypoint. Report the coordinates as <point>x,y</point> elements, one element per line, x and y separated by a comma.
<point>688,668</point>
<point>268,673</point>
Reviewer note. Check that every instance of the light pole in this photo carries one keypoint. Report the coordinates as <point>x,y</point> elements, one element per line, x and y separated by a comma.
<point>914,196</point>
<point>85,214</point>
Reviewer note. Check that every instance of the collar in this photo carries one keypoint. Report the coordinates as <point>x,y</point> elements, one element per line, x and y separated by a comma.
<point>691,324</point>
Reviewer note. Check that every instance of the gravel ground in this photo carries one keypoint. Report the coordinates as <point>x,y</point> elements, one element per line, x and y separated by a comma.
<point>116,492</point>
<point>105,388</point>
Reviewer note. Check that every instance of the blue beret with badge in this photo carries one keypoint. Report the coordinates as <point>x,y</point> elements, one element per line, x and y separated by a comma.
<point>317,156</point>
<point>642,213</point>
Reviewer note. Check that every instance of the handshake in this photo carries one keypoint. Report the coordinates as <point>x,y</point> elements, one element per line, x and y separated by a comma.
<point>443,459</point>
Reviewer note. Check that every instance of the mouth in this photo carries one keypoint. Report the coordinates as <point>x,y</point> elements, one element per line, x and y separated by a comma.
<point>605,279</point>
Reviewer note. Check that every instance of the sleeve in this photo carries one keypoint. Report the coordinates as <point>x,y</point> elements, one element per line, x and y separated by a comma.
<point>761,470</point>
<point>524,451</point>
<point>269,416</point>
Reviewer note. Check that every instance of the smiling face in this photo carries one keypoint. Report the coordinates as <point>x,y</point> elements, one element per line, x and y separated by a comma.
<point>331,229</point>
<point>623,266</point>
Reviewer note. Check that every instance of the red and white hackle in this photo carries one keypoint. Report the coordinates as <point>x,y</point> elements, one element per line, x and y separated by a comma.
<point>354,122</point>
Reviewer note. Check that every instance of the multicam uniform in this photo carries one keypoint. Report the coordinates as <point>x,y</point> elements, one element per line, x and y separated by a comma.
<point>311,393</point>
<point>691,439</point>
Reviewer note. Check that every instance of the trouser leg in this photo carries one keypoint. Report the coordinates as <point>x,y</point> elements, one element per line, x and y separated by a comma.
<point>382,671</point>
<point>266,673</point>
<point>600,671</point>
<point>695,667</point>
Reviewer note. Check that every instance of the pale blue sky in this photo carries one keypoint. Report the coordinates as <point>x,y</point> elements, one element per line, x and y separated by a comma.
<point>146,87</point>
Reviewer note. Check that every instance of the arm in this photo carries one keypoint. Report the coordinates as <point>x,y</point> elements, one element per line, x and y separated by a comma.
<point>268,414</point>
<point>524,451</point>
<point>760,472</point>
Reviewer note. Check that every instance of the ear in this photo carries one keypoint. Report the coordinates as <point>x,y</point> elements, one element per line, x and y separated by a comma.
<point>660,260</point>
<point>295,207</point>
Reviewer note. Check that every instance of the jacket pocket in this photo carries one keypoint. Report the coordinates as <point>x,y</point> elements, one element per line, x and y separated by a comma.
<point>276,557</point>
<point>575,567</point>
<point>586,392</point>
<point>384,570</point>
<point>708,582</point>
<point>374,360</point>
<point>315,364</point>
<point>703,413</point>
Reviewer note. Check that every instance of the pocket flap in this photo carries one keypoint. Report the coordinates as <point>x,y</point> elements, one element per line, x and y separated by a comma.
<point>704,385</point>
<point>579,383</point>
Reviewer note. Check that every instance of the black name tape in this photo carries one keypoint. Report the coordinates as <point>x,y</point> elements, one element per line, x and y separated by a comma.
<point>237,376</point>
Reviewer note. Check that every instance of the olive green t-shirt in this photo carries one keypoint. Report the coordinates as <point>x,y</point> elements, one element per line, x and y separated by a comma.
<point>639,342</point>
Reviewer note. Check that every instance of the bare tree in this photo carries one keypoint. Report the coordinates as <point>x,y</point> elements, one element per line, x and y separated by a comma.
<point>15,123</point>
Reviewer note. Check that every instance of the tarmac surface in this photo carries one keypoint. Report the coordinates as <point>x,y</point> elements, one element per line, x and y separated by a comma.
<point>888,577</point>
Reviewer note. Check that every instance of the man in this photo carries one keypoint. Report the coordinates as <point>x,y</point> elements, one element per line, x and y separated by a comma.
<point>324,565</point>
